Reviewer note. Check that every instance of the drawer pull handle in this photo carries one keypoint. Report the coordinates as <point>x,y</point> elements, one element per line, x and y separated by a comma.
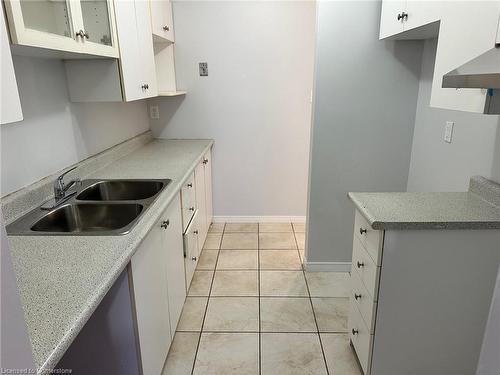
<point>165,224</point>
<point>362,231</point>
<point>354,331</point>
<point>357,296</point>
<point>190,185</point>
<point>195,232</point>
<point>191,208</point>
<point>360,264</point>
<point>194,258</point>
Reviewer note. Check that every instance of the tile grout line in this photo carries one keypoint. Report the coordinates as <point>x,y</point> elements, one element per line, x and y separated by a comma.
<point>312,306</point>
<point>208,299</point>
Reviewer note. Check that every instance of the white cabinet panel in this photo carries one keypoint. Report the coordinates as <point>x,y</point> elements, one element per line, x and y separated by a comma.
<point>11,104</point>
<point>208,187</point>
<point>162,21</point>
<point>136,50</point>
<point>199,176</point>
<point>149,277</point>
<point>173,246</point>
<point>191,249</point>
<point>389,22</point>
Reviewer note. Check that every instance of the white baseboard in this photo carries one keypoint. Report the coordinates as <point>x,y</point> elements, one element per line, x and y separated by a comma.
<point>259,219</point>
<point>327,266</point>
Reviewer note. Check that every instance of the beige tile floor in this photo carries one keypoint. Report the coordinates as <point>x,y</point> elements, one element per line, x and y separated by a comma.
<point>252,309</point>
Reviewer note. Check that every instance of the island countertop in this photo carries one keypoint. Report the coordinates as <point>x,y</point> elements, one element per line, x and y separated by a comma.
<point>62,279</point>
<point>478,208</point>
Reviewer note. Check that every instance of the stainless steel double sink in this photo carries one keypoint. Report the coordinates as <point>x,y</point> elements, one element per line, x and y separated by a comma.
<point>97,207</point>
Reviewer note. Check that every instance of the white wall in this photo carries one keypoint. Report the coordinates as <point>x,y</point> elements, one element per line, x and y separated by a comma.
<point>255,102</point>
<point>475,150</point>
<point>364,113</point>
<point>56,133</point>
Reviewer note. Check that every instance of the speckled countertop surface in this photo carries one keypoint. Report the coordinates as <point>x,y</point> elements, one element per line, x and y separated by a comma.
<point>62,279</point>
<point>475,209</point>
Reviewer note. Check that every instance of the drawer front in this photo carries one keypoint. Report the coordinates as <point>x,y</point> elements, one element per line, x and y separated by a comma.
<point>360,296</point>
<point>361,338</point>
<point>191,252</point>
<point>364,265</point>
<point>188,201</point>
<point>371,239</point>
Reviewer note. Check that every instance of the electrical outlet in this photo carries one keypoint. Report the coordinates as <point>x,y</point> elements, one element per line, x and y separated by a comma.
<point>448,131</point>
<point>203,69</point>
<point>154,112</point>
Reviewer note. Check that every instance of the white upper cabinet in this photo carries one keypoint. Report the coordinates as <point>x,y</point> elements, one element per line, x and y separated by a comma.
<point>162,21</point>
<point>399,16</point>
<point>136,50</point>
<point>74,26</point>
<point>466,30</point>
<point>10,105</point>
<point>391,18</point>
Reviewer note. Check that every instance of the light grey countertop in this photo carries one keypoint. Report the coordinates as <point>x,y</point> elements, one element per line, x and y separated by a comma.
<point>62,279</point>
<point>478,208</point>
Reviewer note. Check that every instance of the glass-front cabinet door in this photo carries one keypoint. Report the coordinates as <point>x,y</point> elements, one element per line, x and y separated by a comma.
<point>96,26</point>
<point>78,26</point>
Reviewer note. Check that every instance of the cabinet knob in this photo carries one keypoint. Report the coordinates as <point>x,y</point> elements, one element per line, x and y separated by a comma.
<point>360,264</point>
<point>166,28</point>
<point>165,224</point>
<point>357,296</point>
<point>205,161</point>
<point>195,232</point>
<point>82,34</point>
<point>403,16</point>
<point>194,258</point>
<point>145,86</point>
<point>190,185</point>
<point>354,331</point>
<point>362,231</point>
<point>191,208</point>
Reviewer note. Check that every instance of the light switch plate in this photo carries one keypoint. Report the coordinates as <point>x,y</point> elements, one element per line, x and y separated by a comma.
<point>448,131</point>
<point>154,112</point>
<point>203,69</point>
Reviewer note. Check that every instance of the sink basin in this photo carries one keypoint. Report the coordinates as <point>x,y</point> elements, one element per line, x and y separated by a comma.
<point>74,218</point>
<point>101,208</point>
<point>122,190</point>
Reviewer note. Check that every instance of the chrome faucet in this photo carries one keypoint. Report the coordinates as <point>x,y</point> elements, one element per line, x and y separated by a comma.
<point>60,189</point>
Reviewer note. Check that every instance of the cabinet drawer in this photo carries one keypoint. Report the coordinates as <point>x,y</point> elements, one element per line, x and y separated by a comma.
<point>371,239</point>
<point>364,265</point>
<point>360,296</point>
<point>361,338</point>
<point>188,201</point>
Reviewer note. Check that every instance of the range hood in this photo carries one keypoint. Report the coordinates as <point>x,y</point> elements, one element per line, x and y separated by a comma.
<point>483,72</point>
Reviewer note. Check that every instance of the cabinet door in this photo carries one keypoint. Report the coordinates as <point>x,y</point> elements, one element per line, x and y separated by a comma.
<point>191,249</point>
<point>43,23</point>
<point>146,53</point>
<point>136,49</point>
<point>389,22</point>
<point>199,176</point>
<point>420,13</point>
<point>10,104</point>
<point>149,280</point>
<point>173,246</point>
<point>95,23</point>
<point>208,187</point>
<point>162,21</point>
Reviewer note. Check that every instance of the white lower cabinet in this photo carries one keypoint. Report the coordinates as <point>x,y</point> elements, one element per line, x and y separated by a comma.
<point>157,275</point>
<point>419,299</point>
<point>201,203</point>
